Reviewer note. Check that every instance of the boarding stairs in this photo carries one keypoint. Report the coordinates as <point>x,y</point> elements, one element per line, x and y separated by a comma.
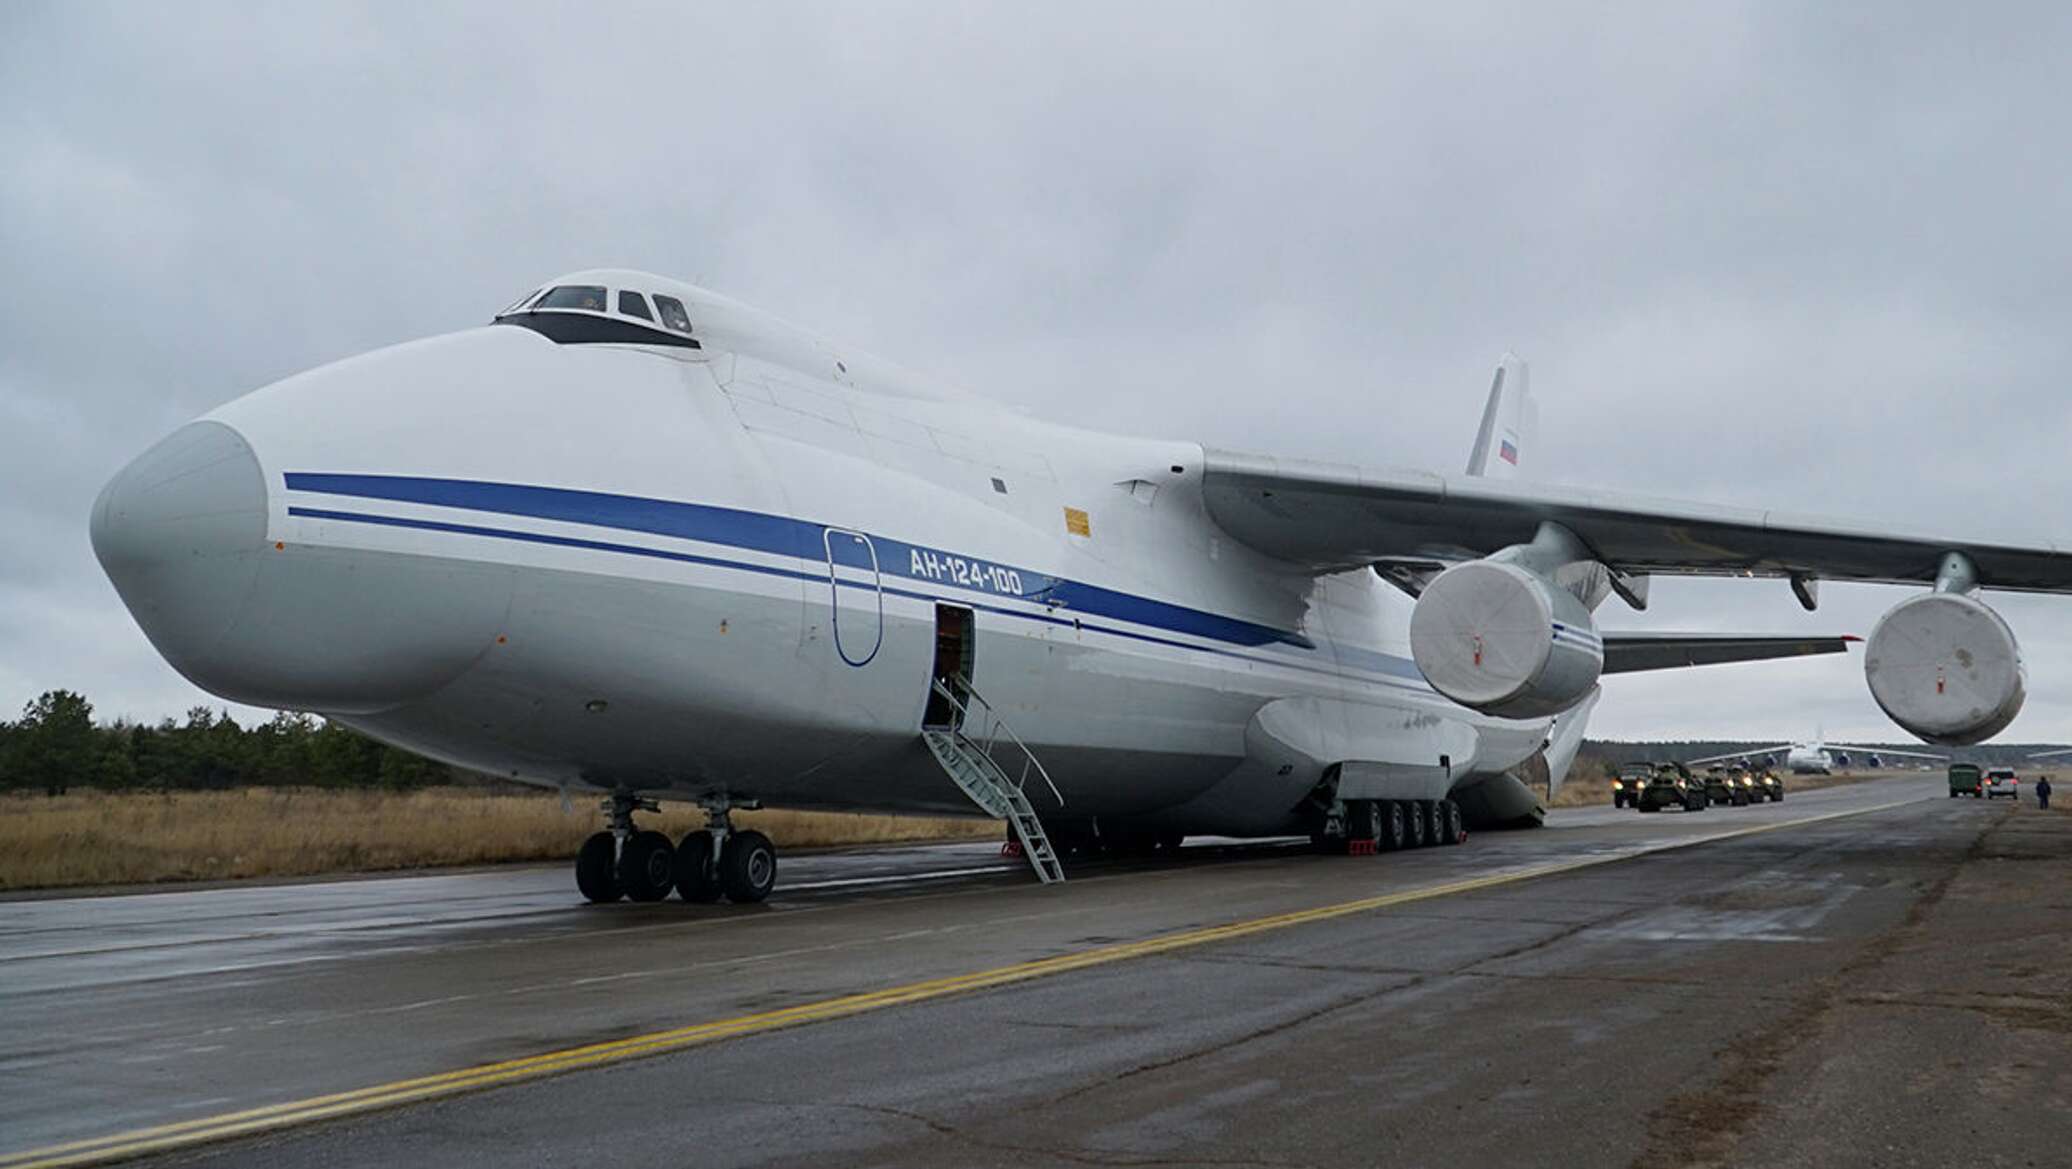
<point>965,747</point>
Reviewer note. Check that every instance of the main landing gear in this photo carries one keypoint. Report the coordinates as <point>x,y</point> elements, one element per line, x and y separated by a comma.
<point>1372,826</point>
<point>713,862</point>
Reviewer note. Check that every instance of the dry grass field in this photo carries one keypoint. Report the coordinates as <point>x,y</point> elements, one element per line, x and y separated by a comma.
<point>131,838</point>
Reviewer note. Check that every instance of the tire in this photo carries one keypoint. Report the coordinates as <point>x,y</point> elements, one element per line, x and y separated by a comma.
<point>1171,841</point>
<point>697,878</point>
<point>747,867</point>
<point>1362,820</point>
<point>1454,827</point>
<point>647,867</point>
<point>1417,823</point>
<point>1395,826</point>
<point>595,865</point>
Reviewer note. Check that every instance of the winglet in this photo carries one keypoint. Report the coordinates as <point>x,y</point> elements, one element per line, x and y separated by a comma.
<point>1507,423</point>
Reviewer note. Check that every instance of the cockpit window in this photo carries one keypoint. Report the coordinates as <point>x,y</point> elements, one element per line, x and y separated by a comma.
<point>672,313</point>
<point>634,304</point>
<point>519,303</point>
<point>583,296</point>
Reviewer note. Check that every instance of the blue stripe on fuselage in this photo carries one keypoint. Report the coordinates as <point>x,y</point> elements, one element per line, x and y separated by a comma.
<point>783,536</point>
<point>1357,658</point>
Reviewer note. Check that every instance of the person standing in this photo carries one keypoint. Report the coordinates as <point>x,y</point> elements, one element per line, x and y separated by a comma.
<point>2043,791</point>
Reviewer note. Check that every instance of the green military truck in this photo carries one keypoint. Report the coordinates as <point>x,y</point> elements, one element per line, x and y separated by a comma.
<point>1672,786</point>
<point>1966,780</point>
<point>1731,786</point>
<point>1769,784</point>
<point>1627,784</point>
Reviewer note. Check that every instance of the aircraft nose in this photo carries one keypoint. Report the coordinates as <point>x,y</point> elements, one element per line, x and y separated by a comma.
<point>179,531</point>
<point>309,623</point>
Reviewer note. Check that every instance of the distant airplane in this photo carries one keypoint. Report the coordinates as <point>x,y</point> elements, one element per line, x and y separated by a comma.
<point>1817,757</point>
<point>637,538</point>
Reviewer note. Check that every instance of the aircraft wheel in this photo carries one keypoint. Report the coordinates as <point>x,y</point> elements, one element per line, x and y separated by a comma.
<point>697,878</point>
<point>1418,817</point>
<point>748,867</point>
<point>1171,841</point>
<point>647,866</point>
<point>1362,820</point>
<point>1454,826</point>
<point>1395,827</point>
<point>595,863</point>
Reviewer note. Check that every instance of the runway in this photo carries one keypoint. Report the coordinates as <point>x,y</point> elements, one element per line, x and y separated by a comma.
<point>1248,1005</point>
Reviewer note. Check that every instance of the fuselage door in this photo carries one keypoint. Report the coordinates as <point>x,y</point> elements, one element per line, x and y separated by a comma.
<point>954,630</point>
<point>855,591</point>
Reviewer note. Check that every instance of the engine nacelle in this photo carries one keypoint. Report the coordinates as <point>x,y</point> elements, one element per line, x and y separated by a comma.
<point>1945,667</point>
<point>1499,638</point>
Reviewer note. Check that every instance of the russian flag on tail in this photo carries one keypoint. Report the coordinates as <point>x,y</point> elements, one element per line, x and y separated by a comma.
<point>1508,452</point>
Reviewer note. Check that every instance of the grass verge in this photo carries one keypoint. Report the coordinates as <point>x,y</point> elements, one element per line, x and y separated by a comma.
<point>135,838</point>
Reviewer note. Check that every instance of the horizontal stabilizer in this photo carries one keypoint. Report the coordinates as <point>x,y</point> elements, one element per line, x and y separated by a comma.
<point>1626,653</point>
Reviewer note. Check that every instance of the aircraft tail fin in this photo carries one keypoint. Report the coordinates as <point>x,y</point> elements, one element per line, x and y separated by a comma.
<point>1508,423</point>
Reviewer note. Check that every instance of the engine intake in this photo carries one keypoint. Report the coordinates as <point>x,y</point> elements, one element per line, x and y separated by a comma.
<point>1497,637</point>
<point>1946,668</point>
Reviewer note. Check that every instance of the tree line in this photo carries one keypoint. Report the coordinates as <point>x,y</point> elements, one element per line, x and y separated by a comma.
<point>56,745</point>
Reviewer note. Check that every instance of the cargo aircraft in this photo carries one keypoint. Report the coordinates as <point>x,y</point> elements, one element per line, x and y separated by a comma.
<point>635,538</point>
<point>1817,756</point>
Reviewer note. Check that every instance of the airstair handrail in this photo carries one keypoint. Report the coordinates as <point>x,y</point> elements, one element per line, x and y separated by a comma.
<point>996,725</point>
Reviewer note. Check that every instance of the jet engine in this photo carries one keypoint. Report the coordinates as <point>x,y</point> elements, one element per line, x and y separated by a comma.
<point>1945,667</point>
<point>1496,636</point>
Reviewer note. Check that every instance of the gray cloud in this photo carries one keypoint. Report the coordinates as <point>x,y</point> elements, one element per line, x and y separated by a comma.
<point>1756,254</point>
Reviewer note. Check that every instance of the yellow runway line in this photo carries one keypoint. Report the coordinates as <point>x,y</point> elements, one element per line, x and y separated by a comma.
<point>273,1117</point>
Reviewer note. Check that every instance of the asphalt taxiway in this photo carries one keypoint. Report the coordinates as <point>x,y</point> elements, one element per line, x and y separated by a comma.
<point>1868,974</point>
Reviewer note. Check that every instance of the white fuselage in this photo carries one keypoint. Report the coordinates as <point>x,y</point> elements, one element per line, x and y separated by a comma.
<point>1809,759</point>
<point>717,571</point>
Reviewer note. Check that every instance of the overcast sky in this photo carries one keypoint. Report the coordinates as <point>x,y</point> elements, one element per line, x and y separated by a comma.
<point>1809,256</point>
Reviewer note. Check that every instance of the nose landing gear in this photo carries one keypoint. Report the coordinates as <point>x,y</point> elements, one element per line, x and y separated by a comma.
<point>715,861</point>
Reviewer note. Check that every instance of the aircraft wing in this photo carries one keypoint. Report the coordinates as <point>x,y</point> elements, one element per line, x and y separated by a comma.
<point>1626,653</point>
<point>1884,752</point>
<point>1332,517</point>
<point>1739,755</point>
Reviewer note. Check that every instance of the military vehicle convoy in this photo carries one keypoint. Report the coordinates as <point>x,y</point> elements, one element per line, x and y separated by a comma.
<point>1651,787</point>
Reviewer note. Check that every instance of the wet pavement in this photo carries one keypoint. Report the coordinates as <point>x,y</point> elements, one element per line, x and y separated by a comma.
<point>1665,1007</point>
